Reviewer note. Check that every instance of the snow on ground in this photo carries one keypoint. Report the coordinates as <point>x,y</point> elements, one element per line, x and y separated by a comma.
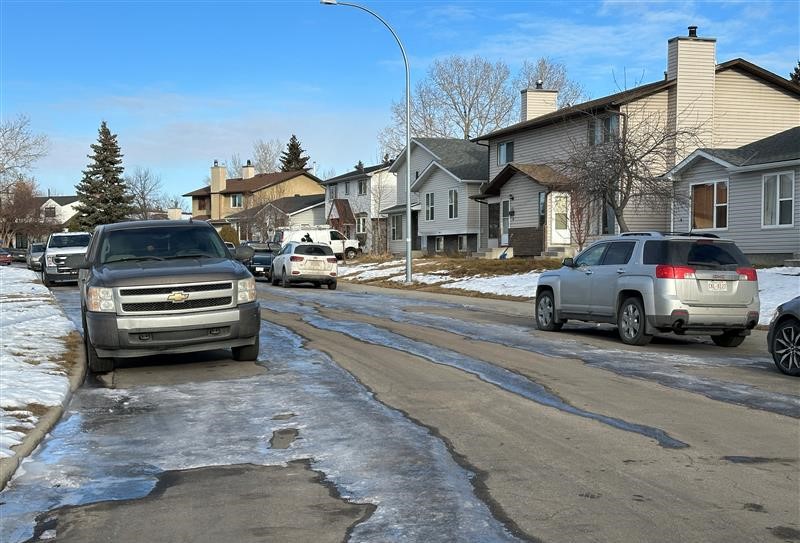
<point>31,325</point>
<point>775,285</point>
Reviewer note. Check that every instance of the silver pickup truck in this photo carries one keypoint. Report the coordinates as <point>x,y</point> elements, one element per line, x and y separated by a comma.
<point>154,287</point>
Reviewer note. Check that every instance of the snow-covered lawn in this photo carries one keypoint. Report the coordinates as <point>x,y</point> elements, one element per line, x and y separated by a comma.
<point>32,349</point>
<point>775,285</point>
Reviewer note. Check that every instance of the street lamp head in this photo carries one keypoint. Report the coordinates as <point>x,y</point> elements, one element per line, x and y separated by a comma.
<point>328,2</point>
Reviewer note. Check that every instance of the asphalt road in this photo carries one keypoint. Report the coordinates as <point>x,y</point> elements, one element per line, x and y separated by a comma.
<point>375,415</point>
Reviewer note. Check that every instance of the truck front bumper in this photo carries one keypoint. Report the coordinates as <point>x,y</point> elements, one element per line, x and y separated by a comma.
<point>132,336</point>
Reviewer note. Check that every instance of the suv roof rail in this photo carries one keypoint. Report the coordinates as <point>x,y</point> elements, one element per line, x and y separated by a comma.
<point>652,234</point>
<point>693,234</point>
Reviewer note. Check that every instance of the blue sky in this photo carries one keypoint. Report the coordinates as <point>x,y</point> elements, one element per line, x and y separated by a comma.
<point>185,83</point>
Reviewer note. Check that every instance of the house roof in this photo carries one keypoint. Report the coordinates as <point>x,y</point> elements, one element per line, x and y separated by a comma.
<point>540,173</point>
<point>60,200</point>
<point>400,207</point>
<point>620,98</point>
<point>289,205</point>
<point>356,174</point>
<point>343,211</point>
<point>779,148</point>
<point>254,184</point>
<point>464,159</point>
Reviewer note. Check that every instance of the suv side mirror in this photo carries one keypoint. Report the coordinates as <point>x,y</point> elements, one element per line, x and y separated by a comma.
<point>243,253</point>
<point>568,262</point>
<point>76,262</point>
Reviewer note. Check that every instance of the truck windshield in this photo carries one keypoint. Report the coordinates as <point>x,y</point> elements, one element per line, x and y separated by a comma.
<point>161,244</point>
<point>81,240</point>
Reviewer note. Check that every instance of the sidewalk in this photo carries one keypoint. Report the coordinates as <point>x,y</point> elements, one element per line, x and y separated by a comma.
<point>41,364</point>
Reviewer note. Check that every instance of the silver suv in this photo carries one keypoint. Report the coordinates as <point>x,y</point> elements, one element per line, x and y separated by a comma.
<point>648,282</point>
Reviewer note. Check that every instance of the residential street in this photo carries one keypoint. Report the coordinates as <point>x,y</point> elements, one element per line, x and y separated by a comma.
<point>394,417</point>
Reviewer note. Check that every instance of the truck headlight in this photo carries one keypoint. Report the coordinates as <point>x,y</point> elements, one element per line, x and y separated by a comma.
<point>100,299</point>
<point>247,290</point>
<point>49,261</point>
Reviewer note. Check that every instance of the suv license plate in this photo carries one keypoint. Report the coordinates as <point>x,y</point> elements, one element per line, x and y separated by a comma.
<point>259,268</point>
<point>718,286</point>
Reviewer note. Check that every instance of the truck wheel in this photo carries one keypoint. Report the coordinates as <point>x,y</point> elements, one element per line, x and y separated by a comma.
<point>728,339</point>
<point>350,253</point>
<point>96,364</point>
<point>631,322</point>
<point>248,352</point>
<point>46,280</point>
<point>546,312</point>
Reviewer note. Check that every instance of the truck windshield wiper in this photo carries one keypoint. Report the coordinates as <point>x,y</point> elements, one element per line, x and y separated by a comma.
<point>192,255</point>
<point>132,259</point>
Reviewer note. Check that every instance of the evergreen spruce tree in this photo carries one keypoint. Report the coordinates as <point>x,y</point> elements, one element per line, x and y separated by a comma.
<point>795,75</point>
<point>292,159</point>
<point>102,193</point>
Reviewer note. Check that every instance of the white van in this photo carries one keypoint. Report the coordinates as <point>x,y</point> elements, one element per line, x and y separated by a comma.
<point>341,245</point>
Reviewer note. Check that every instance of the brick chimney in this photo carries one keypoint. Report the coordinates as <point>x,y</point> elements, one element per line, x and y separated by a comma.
<point>174,213</point>
<point>248,170</point>
<point>537,102</point>
<point>691,63</point>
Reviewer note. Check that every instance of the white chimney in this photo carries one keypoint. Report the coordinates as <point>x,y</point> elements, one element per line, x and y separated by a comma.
<point>537,102</point>
<point>248,170</point>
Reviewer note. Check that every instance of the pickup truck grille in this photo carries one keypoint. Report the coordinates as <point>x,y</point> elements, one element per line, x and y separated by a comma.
<point>179,298</point>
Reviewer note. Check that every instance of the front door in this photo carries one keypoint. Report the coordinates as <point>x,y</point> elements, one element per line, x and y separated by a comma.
<point>559,219</point>
<point>505,222</point>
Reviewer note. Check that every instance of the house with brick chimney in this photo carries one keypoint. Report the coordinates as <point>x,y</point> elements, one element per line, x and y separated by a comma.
<point>527,208</point>
<point>218,202</point>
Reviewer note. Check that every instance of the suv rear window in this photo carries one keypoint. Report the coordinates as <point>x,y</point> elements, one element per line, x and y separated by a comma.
<point>702,253</point>
<point>313,250</point>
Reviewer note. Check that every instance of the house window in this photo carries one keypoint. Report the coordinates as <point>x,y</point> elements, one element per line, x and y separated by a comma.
<point>710,205</point>
<point>397,227</point>
<point>778,199</point>
<point>452,204</point>
<point>50,211</point>
<point>346,188</point>
<point>202,204</point>
<point>542,208</point>
<point>361,224</point>
<point>332,191</point>
<point>462,243</point>
<point>603,129</point>
<point>362,187</point>
<point>439,246</point>
<point>236,200</point>
<point>429,215</point>
<point>505,152</point>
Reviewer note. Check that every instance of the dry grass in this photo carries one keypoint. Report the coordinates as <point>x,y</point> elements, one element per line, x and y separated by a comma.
<point>73,342</point>
<point>468,267</point>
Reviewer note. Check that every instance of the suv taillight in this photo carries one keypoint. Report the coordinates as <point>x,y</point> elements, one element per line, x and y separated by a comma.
<point>296,258</point>
<point>747,274</point>
<point>664,271</point>
<point>332,259</point>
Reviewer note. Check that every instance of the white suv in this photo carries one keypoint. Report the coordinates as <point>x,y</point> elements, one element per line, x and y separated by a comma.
<point>312,263</point>
<point>647,282</point>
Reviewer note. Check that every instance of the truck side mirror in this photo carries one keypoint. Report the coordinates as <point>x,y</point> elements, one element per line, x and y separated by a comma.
<point>243,253</point>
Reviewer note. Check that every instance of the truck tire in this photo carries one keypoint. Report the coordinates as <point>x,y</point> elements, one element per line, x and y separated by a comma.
<point>96,363</point>
<point>46,280</point>
<point>350,253</point>
<point>247,353</point>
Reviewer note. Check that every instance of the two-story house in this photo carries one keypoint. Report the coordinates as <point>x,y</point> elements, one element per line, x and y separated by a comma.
<point>225,197</point>
<point>445,174</point>
<point>353,203</point>
<point>52,215</point>
<point>734,103</point>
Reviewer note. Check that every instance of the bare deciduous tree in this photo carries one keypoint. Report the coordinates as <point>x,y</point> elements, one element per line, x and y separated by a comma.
<point>266,155</point>
<point>19,210</point>
<point>625,164</point>
<point>19,149</point>
<point>553,76</point>
<point>234,166</point>
<point>582,212</point>
<point>146,191</point>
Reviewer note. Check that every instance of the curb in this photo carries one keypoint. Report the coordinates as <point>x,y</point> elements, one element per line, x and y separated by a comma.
<point>8,466</point>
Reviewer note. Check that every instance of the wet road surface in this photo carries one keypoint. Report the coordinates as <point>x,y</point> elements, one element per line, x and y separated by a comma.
<point>404,419</point>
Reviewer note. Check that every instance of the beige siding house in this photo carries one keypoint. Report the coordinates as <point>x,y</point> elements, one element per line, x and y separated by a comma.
<point>750,194</point>
<point>728,105</point>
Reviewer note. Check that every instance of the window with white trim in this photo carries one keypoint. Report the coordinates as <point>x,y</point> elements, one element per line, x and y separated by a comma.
<point>505,152</point>
<point>463,244</point>
<point>710,205</point>
<point>452,204</point>
<point>236,200</point>
<point>346,188</point>
<point>332,192</point>
<point>397,227</point>
<point>439,247</point>
<point>777,197</point>
<point>362,187</point>
<point>361,224</point>
<point>429,211</point>
<point>603,129</point>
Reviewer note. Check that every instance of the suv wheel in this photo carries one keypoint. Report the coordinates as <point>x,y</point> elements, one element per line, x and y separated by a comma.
<point>786,347</point>
<point>284,279</point>
<point>272,277</point>
<point>350,254</point>
<point>332,285</point>
<point>728,339</point>
<point>546,312</point>
<point>631,322</point>
<point>248,352</point>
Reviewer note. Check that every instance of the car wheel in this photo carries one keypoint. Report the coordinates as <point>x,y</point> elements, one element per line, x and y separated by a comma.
<point>248,352</point>
<point>46,280</point>
<point>350,254</point>
<point>273,278</point>
<point>284,279</point>
<point>631,323</point>
<point>728,339</point>
<point>332,285</point>
<point>546,312</point>
<point>786,347</point>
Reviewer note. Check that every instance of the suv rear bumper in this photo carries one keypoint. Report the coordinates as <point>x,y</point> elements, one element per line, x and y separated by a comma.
<point>125,337</point>
<point>704,320</point>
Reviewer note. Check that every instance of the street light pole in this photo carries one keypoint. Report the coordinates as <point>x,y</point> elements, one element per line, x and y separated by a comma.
<point>408,126</point>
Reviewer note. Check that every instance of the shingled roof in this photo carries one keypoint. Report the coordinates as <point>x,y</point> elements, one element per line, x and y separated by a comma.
<point>464,159</point>
<point>777,148</point>
<point>289,205</point>
<point>254,184</point>
<point>355,174</point>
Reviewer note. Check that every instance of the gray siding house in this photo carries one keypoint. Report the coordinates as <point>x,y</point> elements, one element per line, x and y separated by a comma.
<point>750,194</point>
<point>446,173</point>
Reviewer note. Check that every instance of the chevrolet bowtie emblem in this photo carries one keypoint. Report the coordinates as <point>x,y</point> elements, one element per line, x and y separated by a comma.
<point>177,297</point>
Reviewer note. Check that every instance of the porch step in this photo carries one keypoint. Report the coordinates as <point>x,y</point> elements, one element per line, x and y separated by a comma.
<point>495,253</point>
